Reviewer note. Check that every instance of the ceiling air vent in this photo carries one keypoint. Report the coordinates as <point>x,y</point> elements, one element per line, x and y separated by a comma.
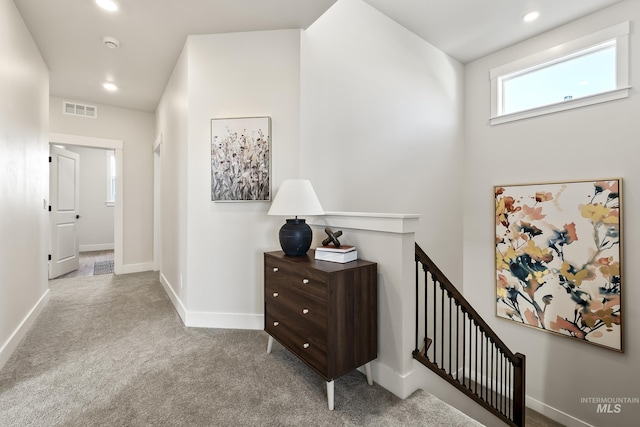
<point>83,110</point>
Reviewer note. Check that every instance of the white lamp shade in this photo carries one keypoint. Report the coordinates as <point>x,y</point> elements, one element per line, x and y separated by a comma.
<point>296,197</point>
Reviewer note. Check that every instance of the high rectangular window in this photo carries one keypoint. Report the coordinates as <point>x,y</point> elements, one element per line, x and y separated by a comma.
<point>586,71</point>
<point>111,178</point>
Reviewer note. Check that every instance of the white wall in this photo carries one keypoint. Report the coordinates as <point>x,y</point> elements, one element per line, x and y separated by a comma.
<point>381,125</point>
<point>172,123</point>
<point>227,75</point>
<point>137,131</point>
<point>95,227</point>
<point>24,118</point>
<point>593,142</point>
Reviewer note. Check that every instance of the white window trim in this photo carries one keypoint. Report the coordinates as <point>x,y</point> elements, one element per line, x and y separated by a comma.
<point>110,201</point>
<point>619,33</point>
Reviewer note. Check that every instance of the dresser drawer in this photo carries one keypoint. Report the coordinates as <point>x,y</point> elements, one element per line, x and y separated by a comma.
<point>310,348</point>
<point>297,338</point>
<point>309,285</point>
<point>276,272</point>
<point>305,281</point>
<point>296,309</point>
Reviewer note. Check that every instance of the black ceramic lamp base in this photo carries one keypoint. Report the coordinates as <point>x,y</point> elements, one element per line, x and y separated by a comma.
<point>295,237</point>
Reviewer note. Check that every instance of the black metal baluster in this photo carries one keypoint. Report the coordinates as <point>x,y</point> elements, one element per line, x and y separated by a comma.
<point>476,347</point>
<point>426,323</point>
<point>457,341</point>
<point>510,391</point>
<point>417,306</point>
<point>464,346</point>
<point>481,361</point>
<point>450,348</point>
<point>501,382</point>
<point>486,369</point>
<point>494,389</point>
<point>435,329</point>
<point>442,325</point>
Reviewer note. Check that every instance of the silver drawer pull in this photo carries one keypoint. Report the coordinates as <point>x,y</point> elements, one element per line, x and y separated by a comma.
<point>275,294</point>
<point>276,323</point>
<point>305,281</point>
<point>305,345</point>
<point>275,269</point>
<point>305,310</point>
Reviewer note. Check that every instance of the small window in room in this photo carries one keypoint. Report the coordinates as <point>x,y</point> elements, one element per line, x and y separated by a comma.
<point>587,71</point>
<point>111,178</point>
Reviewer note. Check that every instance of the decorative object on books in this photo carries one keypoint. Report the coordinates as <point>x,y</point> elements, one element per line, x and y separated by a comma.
<point>558,259</point>
<point>333,237</point>
<point>295,197</point>
<point>240,159</point>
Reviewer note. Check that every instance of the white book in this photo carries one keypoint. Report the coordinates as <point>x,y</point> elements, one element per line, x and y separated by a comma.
<point>339,249</point>
<point>340,257</point>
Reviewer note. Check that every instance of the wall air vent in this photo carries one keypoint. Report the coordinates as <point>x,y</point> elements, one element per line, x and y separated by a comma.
<point>83,110</point>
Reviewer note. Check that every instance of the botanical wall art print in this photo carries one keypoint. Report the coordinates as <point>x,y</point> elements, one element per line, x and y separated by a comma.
<point>559,259</point>
<point>240,159</point>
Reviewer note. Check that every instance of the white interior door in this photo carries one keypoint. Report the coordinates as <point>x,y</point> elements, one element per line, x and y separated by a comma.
<point>64,194</point>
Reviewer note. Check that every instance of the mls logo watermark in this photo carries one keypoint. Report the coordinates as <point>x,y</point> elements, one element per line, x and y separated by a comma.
<point>609,408</point>
<point>610,405</point>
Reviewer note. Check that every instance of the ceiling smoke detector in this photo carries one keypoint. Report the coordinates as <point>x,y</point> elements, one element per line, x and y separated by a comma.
<point>111,42</point>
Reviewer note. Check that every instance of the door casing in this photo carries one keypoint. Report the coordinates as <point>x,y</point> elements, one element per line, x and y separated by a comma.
<point>118,214</point>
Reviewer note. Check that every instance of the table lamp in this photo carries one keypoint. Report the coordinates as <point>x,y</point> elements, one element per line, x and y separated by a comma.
<point>295,197</point>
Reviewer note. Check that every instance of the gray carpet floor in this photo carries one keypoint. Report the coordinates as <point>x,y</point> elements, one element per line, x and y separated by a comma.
<point>112,351</point>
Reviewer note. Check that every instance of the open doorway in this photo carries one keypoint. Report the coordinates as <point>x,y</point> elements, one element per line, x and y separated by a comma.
<point>93,224</point>
<point>102,145</point>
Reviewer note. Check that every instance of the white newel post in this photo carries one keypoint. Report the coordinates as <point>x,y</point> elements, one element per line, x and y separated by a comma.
<point>388,240</point>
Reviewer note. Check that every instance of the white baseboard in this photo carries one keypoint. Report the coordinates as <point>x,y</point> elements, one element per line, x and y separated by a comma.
<point>12,343</point>
<point>393,381</point>
<point>555,414</point>
<point>136,268</point>
<point>201,319</point>
<point>97,247</point>
<point>175,300</point>
<point>530,402</point>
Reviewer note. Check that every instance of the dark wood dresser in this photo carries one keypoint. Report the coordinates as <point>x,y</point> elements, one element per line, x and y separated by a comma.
<point>324,312</point>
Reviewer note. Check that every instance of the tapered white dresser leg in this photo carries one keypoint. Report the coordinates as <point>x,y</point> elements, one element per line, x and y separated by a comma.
<point>269,344</point>
<point>330,394</point>
<point>367,371</point>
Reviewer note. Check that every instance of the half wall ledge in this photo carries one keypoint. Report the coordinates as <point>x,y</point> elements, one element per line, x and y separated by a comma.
<point>383,222</point>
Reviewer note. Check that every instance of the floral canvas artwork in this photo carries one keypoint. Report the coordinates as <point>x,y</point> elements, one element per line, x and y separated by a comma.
<point>240,159</point>
<point>558,259</point>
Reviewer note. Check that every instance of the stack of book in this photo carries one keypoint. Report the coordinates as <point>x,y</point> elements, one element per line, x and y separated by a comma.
<point>341,254</point>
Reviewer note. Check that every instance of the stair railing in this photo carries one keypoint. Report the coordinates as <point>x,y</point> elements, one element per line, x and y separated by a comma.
<point>461,348</point>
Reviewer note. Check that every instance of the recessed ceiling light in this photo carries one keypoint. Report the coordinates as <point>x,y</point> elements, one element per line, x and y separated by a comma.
<point>110,86</point>
<point>110,5</point>
<point>531,16</point>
